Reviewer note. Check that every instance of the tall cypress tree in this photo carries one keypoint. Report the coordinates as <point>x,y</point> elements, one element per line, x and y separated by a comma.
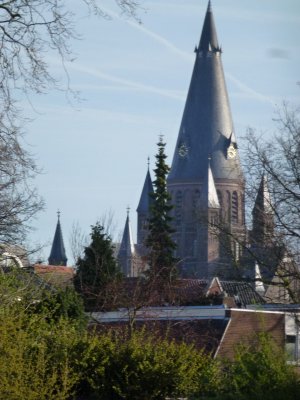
<point>97,269</point>
<point>159,241</point>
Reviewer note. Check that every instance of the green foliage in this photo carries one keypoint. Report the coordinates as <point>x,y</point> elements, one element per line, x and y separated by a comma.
<point>260,371</point>
<point>63,303</point>
<point>142,367</point>
<point>159,241</point>
<point>98,269</point>
<point>45,354</point>
<point>35,350</point>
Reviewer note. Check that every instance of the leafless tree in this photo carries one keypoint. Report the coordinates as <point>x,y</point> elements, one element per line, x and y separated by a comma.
<point>29,30</point>
<point>78,241</point>
<point>278,158</point>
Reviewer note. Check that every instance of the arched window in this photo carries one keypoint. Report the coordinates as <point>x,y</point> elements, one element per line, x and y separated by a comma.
<point>235,208</point>
<point>228,206</point>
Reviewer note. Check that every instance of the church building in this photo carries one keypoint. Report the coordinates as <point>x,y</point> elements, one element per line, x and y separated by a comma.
<point>206,182</point>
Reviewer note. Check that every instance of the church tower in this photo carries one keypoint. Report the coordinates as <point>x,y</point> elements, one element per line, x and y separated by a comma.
<point>207,133</point>
<point>58,252</point>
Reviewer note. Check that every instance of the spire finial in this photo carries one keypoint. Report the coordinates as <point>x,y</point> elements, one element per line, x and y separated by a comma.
<point>148,161</point>
<point>58,214</point>
<point>128,210</point>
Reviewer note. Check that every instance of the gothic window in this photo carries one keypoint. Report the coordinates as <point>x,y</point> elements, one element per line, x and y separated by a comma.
<point>234,208</point>
<point>178,208</point>
<point>228,206</point>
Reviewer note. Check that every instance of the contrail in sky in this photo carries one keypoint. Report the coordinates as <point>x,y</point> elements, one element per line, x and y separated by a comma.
<point>125,82</point>
<point>188,57</point>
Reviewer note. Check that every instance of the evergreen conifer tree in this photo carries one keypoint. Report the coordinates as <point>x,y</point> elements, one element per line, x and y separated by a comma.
<point>159,241</point>
<point>97,269</point>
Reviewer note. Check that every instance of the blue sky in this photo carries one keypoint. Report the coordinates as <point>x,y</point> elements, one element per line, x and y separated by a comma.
<point>133,79</point>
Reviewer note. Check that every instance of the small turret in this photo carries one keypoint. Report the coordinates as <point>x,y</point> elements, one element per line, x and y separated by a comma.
<point>58,253</point>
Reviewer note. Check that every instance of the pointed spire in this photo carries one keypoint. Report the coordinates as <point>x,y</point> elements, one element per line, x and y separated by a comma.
<point>263,215</point>
<point>145,199</point>
<point>263,199</point>
<point>209,39</point>
<point>58,253</point>
<point>126,250</point>
<point>207,120</point>
<point>209,197</point>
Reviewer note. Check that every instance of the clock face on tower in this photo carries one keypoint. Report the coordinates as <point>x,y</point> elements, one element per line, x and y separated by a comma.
<point>183,150</point>
<point>231,152</point>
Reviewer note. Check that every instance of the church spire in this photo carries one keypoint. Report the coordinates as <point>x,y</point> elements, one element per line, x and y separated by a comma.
<point>209,40</point>
<point>58,253</point>
<point>143,208</point>
<point>263,198</point>
<point>206,127</point>
<point>145,200</point>
<point>126,250</point>
<point>263,214</point>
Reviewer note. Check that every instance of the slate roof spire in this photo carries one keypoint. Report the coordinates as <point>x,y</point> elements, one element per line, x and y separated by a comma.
<point>263,198</point>
<point>145,200</point>
<point>206,127</point>
<point>143,209</point>
<point>126,250</point>
<point>263,214</point>
<point>209,39</point>
<point>58,253</point>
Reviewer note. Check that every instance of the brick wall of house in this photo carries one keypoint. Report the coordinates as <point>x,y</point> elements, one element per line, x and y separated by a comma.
<point>244,325</point>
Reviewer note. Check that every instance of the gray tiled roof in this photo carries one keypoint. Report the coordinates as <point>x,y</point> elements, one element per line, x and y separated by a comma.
<point>145,199</point>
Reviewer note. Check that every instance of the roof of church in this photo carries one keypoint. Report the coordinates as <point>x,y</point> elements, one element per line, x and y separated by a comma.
<point>145,199</point>
<point>58,253</point>
<point>206,129</point>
